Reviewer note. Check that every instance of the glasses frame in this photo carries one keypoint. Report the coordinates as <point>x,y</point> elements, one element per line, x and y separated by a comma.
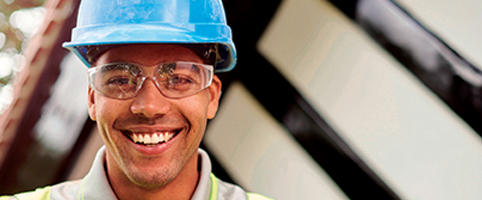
<point>94,69</point>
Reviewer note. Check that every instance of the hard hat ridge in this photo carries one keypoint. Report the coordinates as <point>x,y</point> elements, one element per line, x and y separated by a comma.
<point>107,22</point>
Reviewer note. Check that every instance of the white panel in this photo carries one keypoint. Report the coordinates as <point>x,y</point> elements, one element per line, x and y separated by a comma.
<point>261,155</point>
<point>458,23</point>
<point>411,139</point>
<point>64,114</point>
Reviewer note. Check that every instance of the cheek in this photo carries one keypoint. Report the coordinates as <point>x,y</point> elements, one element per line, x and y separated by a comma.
<point>107,110</point>
<point>195,108</point>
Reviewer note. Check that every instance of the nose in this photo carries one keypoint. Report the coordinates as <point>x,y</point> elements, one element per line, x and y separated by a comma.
<point>149,101</point>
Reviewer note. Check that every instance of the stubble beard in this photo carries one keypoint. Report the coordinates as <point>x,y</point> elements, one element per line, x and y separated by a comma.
<point>158,178</point>
<point>163,173</point>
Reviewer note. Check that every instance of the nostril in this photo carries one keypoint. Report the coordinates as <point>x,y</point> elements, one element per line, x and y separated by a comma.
<point>150,102</point>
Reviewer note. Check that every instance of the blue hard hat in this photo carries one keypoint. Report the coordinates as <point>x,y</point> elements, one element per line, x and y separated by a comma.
<point>103,23</point>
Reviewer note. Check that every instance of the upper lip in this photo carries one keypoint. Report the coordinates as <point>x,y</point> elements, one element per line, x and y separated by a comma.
<point>151,129</point>
<point>129,133</point>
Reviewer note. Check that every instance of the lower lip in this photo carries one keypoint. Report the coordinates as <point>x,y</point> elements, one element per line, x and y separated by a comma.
<point>154,149</point>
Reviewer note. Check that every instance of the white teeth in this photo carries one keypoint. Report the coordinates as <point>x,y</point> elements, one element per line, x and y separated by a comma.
<point>168,136</point>
<point>147,139</point>
<point>140,138</point>
<point>151,139</point>
<point>161,138</point>
<point>154,139</point>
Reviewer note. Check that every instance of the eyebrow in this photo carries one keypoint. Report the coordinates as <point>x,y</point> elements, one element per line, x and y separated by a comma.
<point>195,68</point>
<point>118,66</point>
<point>108,67</point>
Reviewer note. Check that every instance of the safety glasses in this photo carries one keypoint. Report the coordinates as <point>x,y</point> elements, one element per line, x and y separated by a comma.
<point>123,80</point>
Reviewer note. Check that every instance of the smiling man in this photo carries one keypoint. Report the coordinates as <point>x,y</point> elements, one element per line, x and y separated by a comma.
<point>152,89</point>
<point>151,103</point>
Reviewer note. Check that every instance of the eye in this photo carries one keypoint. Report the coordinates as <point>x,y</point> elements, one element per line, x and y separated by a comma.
<point>121,81</point>
<point>181,83</point>
<point>181,80</point>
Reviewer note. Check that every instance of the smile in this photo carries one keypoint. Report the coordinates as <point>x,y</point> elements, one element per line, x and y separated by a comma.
<point>151,138</point>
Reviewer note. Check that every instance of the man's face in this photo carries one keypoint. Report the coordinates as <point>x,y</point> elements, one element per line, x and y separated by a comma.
<point>152,113</point>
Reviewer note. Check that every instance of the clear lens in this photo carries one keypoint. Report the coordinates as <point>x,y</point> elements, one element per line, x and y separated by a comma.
<point>173,79</point>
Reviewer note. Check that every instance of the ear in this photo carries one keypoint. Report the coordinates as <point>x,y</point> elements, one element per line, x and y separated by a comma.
<point>214,95</point>
<point>91,102</point>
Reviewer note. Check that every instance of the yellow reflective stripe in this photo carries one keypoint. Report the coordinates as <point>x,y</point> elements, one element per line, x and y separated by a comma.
<point>80,194</point>
<point>6,197</point>
<point>214,187</point>
<point>254,196</point>
<point>38,194</point>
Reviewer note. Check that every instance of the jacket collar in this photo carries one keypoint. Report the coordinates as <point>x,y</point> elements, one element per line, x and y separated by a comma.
<point>95,185</point>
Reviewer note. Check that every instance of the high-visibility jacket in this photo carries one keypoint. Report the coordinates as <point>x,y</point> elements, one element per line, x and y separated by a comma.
<point>95,186</point>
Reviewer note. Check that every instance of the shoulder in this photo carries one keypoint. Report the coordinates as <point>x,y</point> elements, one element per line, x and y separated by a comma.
<point>40,194</point>
<point>254,196</point>
<point>64,191</point>
<point>229,191</point>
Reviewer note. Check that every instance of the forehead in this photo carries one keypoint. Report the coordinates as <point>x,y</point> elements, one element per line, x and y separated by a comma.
<point>149,54</point>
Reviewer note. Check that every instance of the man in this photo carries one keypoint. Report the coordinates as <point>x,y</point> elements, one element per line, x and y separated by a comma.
<point>152,89</point>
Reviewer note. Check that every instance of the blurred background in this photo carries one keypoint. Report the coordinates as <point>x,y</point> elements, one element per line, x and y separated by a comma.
<point>329,100</point>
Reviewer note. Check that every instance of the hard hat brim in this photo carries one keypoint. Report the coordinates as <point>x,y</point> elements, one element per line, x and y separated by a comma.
<point>154,33</point>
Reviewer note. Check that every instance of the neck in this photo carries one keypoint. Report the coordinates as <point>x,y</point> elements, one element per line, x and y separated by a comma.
<point>181,187</point>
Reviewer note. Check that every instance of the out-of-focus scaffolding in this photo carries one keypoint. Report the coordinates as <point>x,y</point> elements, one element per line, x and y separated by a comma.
<point>32,85</point>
